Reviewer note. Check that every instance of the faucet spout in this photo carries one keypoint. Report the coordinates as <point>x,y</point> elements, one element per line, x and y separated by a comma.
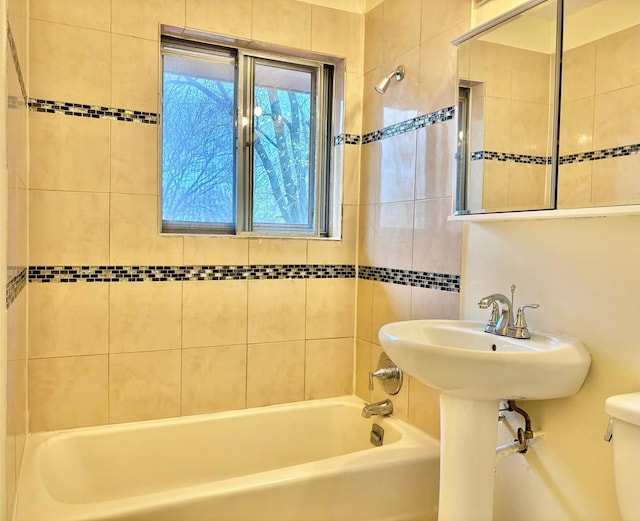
<point>505,322</point>
<point>383,408</point>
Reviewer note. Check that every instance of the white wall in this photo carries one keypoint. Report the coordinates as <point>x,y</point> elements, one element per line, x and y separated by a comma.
<point>585,274</point>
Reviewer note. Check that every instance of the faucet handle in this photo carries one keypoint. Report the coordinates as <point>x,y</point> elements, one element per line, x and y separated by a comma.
<point>520,327</point>
<point>493,318</point>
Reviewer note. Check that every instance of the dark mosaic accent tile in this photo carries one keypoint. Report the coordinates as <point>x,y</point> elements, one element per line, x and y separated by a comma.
<point>596,155</point>
<point>513,158</point>
<point>410,125</point>
<point>419,279</point>
<point>17,279</point>
<point>38,274</point>
<point>92,111</point>
<point>346,139</point>
<point>16,62</point>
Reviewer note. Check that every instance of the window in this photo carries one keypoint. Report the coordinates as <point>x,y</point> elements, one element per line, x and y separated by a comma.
<point>245,142</point>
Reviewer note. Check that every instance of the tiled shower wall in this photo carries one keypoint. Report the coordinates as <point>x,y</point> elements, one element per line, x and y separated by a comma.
<point>207,328</point>
<point>406,184</point>
<point>15,295</point>
<point>599,130</point>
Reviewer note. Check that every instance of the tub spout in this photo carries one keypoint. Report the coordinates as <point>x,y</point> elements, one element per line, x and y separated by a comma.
<point>383,408</point>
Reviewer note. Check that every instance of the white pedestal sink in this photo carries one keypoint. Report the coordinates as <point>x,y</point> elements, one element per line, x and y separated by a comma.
<point>474,370</point>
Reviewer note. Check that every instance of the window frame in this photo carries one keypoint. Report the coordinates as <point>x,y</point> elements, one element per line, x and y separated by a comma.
<point>321,160</point>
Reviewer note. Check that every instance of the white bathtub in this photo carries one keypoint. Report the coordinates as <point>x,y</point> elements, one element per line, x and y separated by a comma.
<point>306,461</point>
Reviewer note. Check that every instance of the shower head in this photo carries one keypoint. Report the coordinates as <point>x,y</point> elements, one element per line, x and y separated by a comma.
<point>383,84</point>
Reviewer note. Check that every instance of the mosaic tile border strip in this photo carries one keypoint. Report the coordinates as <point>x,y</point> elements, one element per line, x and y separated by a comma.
<point>47,274</point>
<point>419,279</point>
<point>596,155</point>
<point>439,116</point>
<point>91,111</point>
<point>515,158</point>
<point>582,157</point>
<point>16,281</point>
<point>16,61</point>
<point>346,139</point>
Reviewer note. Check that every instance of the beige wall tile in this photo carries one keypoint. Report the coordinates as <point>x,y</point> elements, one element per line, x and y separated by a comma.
<point>217,251</point>
<point>213,379</point>
<point>145,316</point>
<point>495,185</point>
<point>574,185</point>
<point>353,103</point>
<point>337,252</point>
<point>366,234</point>
<point>68,319</point>
<point>68,228</point>
<point>373,25</point>
<point>394,235</point>
<point>69,64</point>
<point>328,368</point>
<point>578,72</point>
<point>529,129</point>
<point>276,310</point>
<point>576,126</point>
<point>144,386</point>
<point>438,16</point>
<point>530,76</point>
<point>134,73</point>
<point>612,131</point>
<point>436,241</point>
<point>372,102</point>
<point>364,309</point>
<point>134,233</point>
<point>267,17</point>
<point>429,303</point>
<point>68,392</point>
<point>277,251</point>
<point>275,373</point>
<point>491,63</point>
<point>68,153</point>
<point>398,168</point>
<point>338,33</point>
<point>141,18</point>
<point>350,173</point>
<point>616,181</point>
<point>214,313</point>
<point>527,186</point>
<point>435,160</point>
<point>424,407</point>
<point>370,173</point>
<point>401,29</point>
<point>493,133</point>
<point>391,303</point>
<point>220,17</point>
<point>79,13</point>
<point>330,308</point>
<point>617,64</point>
<point>438,72</point>
<point>134,158</point>
<point>362,369</point>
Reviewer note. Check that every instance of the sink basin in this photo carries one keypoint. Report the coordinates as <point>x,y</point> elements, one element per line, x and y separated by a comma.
<point>474,370</point>
<point>459,358</point>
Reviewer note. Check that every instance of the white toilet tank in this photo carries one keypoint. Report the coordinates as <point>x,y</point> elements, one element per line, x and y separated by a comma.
<point>625,410</point>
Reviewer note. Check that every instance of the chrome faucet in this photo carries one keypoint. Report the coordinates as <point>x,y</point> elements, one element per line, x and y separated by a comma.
<point>502,322</point>
<point>383,408</point>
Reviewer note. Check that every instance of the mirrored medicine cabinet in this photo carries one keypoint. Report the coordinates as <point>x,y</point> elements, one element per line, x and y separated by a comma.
<point>549,108</point>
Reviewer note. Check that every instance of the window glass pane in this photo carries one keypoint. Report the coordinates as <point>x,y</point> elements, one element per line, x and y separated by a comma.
<point>198,152</point>
<point>283,183</point>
